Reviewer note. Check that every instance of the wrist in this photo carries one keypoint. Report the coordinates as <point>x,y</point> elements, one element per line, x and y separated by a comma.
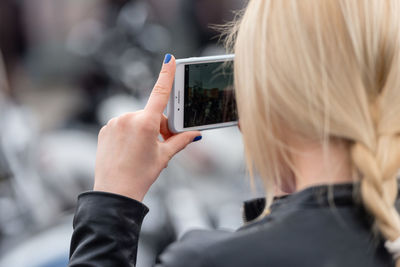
<point>136,194</point>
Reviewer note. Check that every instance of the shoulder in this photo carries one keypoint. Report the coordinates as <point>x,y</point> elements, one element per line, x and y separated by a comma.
<point>192,249</point>
<point>310,237</point>
<point>255,245</point>
<point>314,236</point>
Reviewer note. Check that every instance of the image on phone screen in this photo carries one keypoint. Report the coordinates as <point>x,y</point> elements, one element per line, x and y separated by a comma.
<point>209,94</point>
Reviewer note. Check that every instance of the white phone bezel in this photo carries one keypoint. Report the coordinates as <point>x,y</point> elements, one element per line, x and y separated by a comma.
<point>176,102</point>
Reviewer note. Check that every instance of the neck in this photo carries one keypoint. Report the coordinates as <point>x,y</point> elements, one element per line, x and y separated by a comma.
<point>314,167</point>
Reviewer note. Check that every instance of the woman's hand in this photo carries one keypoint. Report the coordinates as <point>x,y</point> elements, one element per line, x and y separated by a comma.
<point>130,155</point>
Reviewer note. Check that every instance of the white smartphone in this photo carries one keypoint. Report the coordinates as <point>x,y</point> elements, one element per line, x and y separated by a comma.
<point>203,96</point>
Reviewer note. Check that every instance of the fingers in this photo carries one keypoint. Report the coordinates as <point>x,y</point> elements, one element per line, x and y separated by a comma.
<point>160,95</point>
<point>177,142</point>
<point>164,131</point>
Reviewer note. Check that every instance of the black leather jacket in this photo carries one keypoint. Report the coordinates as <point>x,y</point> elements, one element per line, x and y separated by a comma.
<point>318,226</point>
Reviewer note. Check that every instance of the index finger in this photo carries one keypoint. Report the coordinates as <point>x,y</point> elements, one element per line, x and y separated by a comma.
<point>159,97</point>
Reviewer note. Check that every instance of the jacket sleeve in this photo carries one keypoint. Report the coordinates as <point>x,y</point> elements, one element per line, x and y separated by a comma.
<point>106,230</point>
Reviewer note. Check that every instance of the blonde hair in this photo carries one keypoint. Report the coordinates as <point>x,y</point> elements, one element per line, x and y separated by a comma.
<point>323,70</point>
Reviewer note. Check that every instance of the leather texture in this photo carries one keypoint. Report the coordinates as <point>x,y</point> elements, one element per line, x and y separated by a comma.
<point>324,226</point>
<point>106,230</point>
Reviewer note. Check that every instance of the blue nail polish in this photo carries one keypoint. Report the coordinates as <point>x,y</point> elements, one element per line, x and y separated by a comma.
<point>167,58</point>
<point>197,138</point>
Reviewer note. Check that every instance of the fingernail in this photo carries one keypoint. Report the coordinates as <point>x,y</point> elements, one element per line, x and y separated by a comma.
<point>167,58</point>
<point>197,138</point>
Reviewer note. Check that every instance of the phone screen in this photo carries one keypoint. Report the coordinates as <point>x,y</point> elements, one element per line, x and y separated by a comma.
<point>209,94</point>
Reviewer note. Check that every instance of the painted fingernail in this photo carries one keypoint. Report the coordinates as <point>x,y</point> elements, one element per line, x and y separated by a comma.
<point>167,58</point>
<point>197,138</point>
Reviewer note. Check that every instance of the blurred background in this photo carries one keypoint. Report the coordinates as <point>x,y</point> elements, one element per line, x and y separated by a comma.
<point>66,68</point>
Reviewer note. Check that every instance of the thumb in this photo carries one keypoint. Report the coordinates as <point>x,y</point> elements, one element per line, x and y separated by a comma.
<point>176,143</point>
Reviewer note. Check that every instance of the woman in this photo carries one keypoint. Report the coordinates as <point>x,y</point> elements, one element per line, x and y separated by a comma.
<point>318,92</point>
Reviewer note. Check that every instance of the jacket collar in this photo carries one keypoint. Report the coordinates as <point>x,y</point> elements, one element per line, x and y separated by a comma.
<point>322,195</point>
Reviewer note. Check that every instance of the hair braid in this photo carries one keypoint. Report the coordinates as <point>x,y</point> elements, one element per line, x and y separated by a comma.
<point>378,164</point>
